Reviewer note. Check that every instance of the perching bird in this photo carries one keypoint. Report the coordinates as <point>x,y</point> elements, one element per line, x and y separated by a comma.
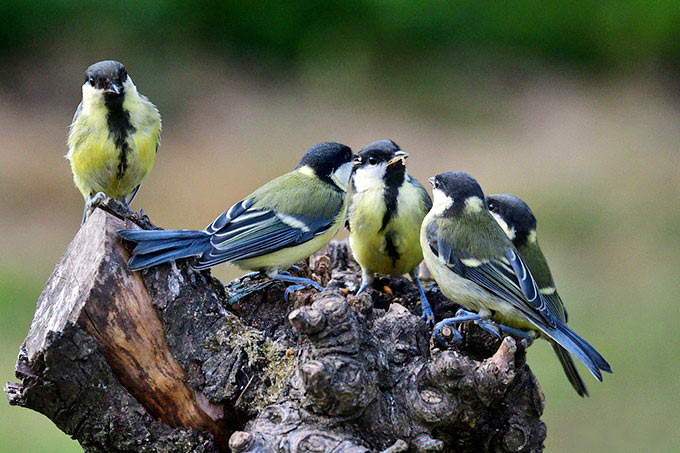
<point>476,266</point>
<point>519,225</point>
<point>384,217</point>
<point>281,223</point>
<point>114,136</point>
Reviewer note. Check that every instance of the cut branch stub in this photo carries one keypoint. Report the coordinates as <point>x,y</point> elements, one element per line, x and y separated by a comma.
<point>92,289</point>
<point>167,360</point>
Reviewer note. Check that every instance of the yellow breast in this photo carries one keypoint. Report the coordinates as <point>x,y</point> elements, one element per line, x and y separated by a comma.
<point>370,246</point>
<point>96,161</point>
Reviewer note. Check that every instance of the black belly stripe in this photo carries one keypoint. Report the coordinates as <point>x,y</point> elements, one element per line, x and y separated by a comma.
<point>120,128</point>
<point>391,248</point>
<point>394,178</point>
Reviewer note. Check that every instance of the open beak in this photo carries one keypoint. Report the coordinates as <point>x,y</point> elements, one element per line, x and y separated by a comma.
<point>114,88</point>
<point>356,161</point>
<point>431,179</point>
<point>399,156</point>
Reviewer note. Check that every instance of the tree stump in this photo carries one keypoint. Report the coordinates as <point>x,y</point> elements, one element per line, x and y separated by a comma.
<point>169,360</point>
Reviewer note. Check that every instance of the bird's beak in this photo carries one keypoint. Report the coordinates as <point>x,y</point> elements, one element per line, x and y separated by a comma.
<point>399,156</point>
<point>356,161</point>
<point>431,179</point>
<point>114,88</point>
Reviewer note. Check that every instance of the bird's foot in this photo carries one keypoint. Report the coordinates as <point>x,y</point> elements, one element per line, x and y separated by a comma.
<point>445,333</point>
<point>427,312</point>
<point>495,329</point>
<point>300,283</point>
<point>92,202</point>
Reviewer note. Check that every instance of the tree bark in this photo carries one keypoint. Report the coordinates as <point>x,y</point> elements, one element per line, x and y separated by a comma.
<point>168,360</point>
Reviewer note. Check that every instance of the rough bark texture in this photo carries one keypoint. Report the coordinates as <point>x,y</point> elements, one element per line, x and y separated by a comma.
<point>170,360</point>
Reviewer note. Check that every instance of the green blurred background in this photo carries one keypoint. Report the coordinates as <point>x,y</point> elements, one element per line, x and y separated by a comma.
<point>572,105</point>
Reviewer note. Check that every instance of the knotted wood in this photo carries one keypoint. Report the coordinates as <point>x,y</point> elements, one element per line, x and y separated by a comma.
<point>170,360</point>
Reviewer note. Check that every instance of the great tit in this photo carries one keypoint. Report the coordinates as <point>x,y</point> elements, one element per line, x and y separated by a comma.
<point>114,136</point>
<point>387,207</point>
<point>281,223</point>
<point>519,225</point>
<point>477,267</point>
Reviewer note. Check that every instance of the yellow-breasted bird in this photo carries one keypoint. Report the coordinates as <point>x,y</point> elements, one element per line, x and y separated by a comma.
<point>476,266</point>
<point>114,136</point>
<point>386,210</point>
<point>281,223</point>
<point>519,224</point>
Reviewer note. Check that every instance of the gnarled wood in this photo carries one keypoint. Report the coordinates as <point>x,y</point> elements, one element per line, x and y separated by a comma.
<point>169,360</point>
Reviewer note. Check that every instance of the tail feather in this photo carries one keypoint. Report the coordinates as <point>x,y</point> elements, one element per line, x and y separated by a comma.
<point>569,368</point>
<point>160,246</point>
<point>595,356</point>
<point>579,347</point>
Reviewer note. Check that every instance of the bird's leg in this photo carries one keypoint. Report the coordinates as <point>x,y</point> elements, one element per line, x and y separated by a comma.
<point>91,204</point>
<point>495,329</point>
<point>427,313</point>
<point>366,280</point>
<point>301,283</point>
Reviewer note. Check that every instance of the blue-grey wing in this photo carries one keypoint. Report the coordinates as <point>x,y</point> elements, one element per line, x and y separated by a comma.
<point>442,248</point>
<point>507,277</point>
<point>242,233</point>
<point>510,279</point>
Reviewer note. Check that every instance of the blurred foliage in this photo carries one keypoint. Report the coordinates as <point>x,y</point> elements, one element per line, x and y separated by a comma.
<point>598,35</point>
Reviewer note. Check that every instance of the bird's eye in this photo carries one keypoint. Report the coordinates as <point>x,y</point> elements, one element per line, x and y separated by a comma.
<point>492,206</point>
<point>436,184</point>
<point>91,81</point>
<point>348,156</point>
<point>372,160</point>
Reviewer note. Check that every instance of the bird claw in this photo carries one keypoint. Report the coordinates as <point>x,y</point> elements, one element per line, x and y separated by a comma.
<point>427,315</point>
<point>291,289</point>
<point>92,202</point>
<point>452,337</point>
<point>300,283</point>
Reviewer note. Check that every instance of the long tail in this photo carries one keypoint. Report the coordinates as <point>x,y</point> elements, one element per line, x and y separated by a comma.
<point>157,247</point>
<point>569,368</point>
<point>580,348</point>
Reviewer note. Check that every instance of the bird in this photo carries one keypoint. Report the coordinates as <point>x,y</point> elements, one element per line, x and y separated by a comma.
<point>519,224</point>
<point>386,210</point>
<point>281,223</point>
<point>477,267</point>
<point>113,138</point>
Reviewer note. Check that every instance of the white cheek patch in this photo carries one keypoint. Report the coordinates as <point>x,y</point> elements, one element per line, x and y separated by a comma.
<point>532,237</point>
<point>129,86</point>
<point>474,204</point>
<point>441,202</point>
<point>369,176</point>
<point>341,175</point>
<point>509,232</point>
<point>92,96</point>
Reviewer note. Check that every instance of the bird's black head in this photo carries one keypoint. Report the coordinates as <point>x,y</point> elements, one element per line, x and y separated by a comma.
<point>330,161</point>
<point>381,161</point>
<point>454,191</point>
<point>109,76</point>
<point>515,213</point>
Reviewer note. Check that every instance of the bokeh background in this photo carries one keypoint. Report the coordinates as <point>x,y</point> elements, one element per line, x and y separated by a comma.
<point>572,105</point>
